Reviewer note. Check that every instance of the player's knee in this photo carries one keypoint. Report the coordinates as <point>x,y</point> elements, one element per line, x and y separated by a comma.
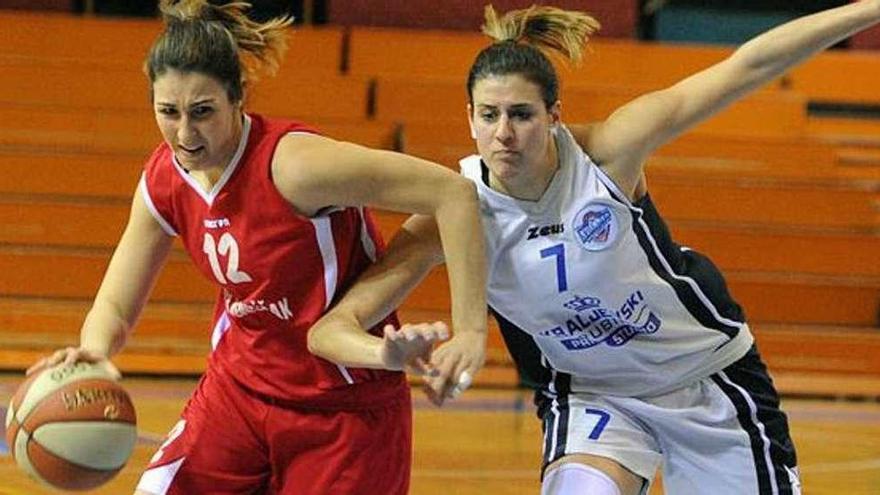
<point>578,479</point>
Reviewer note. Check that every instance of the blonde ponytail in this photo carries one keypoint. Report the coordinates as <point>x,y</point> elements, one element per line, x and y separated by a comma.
<point>552,29</point>
<point>523,38</point>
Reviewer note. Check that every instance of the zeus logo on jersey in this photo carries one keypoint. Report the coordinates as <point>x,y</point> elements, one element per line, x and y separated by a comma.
<point>594,324</point>
<point>545,230</point>
<point>595,226</point>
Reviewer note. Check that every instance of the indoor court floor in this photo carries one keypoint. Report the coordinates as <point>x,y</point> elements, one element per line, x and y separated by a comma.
<point>488,442</point>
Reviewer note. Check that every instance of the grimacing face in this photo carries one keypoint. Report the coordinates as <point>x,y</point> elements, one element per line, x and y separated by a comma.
<point>512,128</point>
<point>196,119</point>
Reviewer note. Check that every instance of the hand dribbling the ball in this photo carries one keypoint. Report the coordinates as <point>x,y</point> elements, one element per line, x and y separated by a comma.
<point>72,355</point>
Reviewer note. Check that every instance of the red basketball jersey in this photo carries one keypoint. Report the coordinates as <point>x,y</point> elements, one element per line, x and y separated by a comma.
<point>278,271</point>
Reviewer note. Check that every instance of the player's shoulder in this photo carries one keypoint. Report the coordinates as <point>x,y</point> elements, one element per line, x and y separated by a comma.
<point>269,127</point>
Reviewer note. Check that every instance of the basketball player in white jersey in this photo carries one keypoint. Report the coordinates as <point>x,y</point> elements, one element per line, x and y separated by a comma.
<point>639,357</point>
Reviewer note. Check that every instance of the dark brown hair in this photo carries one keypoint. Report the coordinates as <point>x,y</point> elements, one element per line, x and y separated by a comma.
<point>217,40</point>
<point>522,36</point>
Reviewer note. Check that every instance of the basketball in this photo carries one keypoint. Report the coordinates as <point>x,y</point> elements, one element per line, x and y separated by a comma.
<point>71,427</point>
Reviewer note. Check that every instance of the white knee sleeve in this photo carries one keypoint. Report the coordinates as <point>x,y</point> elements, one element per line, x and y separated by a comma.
<point>578,479</point>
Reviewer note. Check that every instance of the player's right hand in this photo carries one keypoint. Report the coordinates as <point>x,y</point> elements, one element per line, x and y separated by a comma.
<point>457,363</point>
<point>72,355</point>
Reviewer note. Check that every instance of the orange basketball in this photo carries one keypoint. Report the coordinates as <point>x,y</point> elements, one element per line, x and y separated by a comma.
<point>71,427</point>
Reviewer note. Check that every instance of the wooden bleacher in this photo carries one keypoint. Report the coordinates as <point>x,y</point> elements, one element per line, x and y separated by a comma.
<point>619,19</point>
<point>761,188</point>
<point>848,77</point>
<point>786,204</point>
<point>61,39</point>
<point>838,77</point>
<point>76,107</point>
<point>749,154</point>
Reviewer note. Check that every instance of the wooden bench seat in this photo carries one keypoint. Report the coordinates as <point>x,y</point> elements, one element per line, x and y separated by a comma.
<point>837,350</point>
<point>33,271</point>
<point>41,172</point>
<point>452,141</point>
<point>52,316</point>
<point>820,248</point>
<point>782,250</point>
<point>833,76</point>
<point>845,131</point>
<point>77,131</point>
<point>753,171</point>
<point>65,38</point>
<point>174,338</point>
<point>308,96</point>
<point>816,300</point>
<point>770,284</point>
<point>124,42</point>
<point>417,53</point>
<point>856,141</point>
<point>771,249</point>
<point>798,152</point>
<point>767,296</point>
<point>785,205</point>
<point>735,192</point>
<point>619,19</point>
<point>620,62</point>
<point>60,86</point>
<point>55,223</point>
<point>112,89</point>
<point>838,77</point>
<point>798,246</point>
<point>410,99</point>
<point>772,115</point>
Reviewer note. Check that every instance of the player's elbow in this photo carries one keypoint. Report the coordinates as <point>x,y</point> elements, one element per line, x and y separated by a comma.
<point>330,335</point>
<point>317,338</point>
<point>457,194</point>
<point>464,190</point>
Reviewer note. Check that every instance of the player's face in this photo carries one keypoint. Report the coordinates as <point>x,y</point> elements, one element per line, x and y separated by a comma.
<point>196,119</point>
<point>511,125</point>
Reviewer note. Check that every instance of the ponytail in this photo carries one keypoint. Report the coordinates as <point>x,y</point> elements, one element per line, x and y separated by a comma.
<point>548,28</point>
<point>521,39</point>
<point>217,40</point>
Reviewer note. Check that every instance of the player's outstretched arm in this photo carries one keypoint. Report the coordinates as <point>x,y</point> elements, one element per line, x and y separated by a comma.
<point>314,172</point>
<point>341,336</point>
<point>407,348</point>
<point>622,142</point>
<point>130,276</point>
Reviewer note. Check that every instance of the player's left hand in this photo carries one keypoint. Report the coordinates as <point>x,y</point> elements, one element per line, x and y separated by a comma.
<point>409,347</point>
<point>456,363</point>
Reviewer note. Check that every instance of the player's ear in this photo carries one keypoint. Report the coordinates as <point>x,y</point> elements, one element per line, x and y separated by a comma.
<point>470,112</point>
<point>555,112</point>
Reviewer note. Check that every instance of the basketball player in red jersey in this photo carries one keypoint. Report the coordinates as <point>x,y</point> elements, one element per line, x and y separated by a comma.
<point>640,359</point>
<point>273,213</point>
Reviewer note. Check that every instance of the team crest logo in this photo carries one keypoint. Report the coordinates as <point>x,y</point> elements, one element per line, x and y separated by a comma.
<point>595,226</point>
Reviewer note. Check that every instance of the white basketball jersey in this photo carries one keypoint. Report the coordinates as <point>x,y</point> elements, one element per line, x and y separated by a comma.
<point>592,294</point>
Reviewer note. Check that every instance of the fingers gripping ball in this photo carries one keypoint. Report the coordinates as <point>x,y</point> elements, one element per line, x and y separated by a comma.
<point>71,427</point>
